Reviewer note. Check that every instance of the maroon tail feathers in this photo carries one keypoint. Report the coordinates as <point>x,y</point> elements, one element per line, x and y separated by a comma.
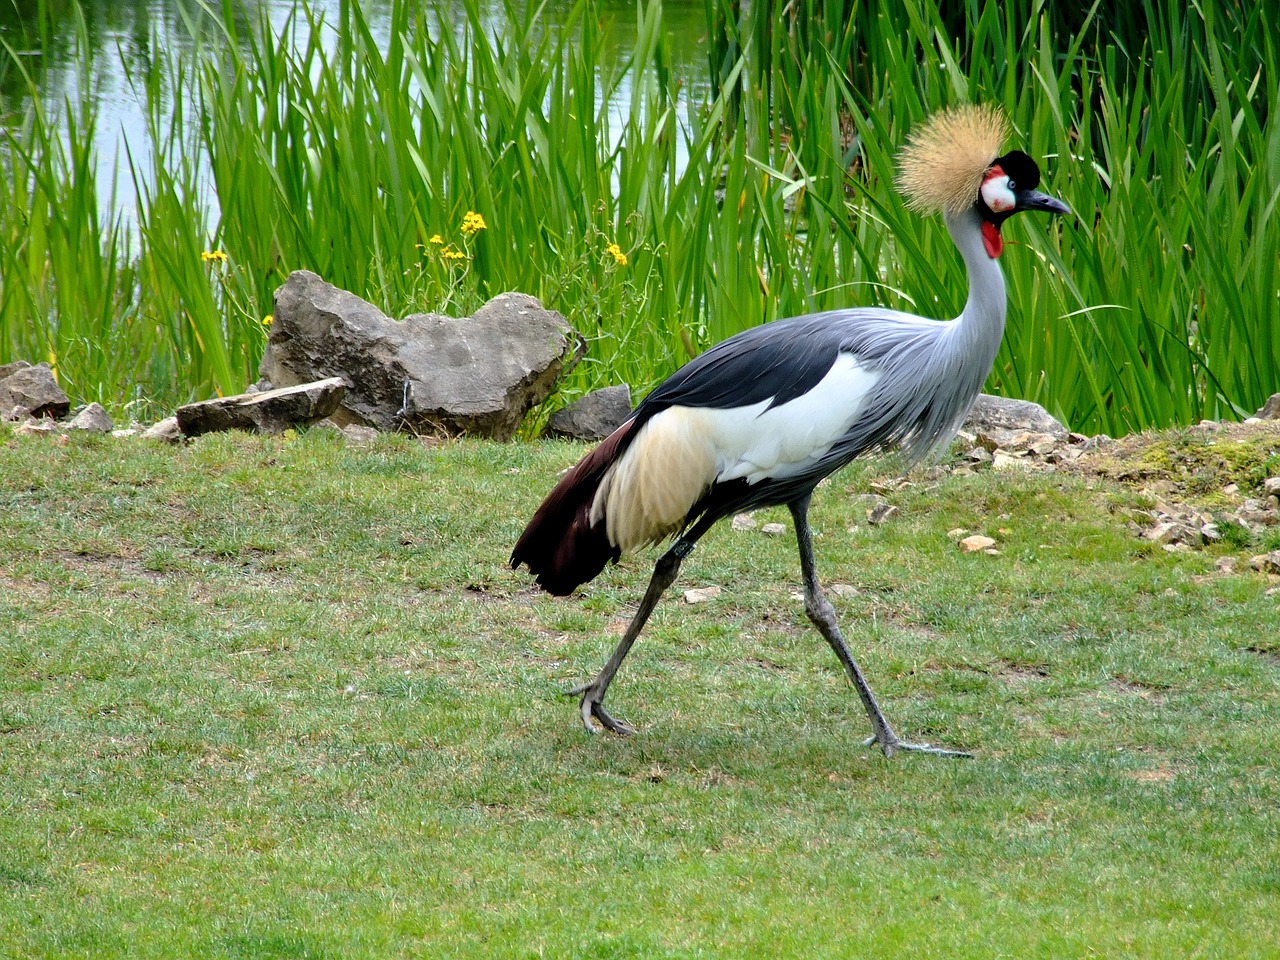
<point>559,545</point>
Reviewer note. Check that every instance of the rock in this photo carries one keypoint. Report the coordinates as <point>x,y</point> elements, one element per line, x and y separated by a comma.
<point>1004,460</point>
<point>701,594</point>
<point>774,529</point>
<point>743,521</point>
<point>995,416</point>
<point>843,589</point>
<point>37,425</point>
<point>359,436</point>
<point>594,416</point>
<point>1272,487</point>
<point>880,513</point>
<point>166,430</point>
<point>1271,409</point>
<point>1257,512</point>
<point>272,411</point>
<point>1266,562</point>
<point>92,418</point>
<point>1225,564</point>
<point>976,543</point>
<point>32,391</point>
<point>8,369</point>
<point>428,373</point>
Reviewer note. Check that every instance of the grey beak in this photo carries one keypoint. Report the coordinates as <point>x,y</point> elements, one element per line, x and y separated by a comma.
<point>1035,200</point>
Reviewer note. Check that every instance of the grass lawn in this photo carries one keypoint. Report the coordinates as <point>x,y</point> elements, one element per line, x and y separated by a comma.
<point>283,698</point>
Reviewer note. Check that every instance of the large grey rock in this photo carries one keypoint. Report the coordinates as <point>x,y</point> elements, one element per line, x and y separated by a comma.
<point>271,411</point>
<point>93,419</point>
<point>993,416</point>
<point>7,369</point>
<point>594,416</point>
<point>31,391</point>
<point>1271,409</point>
<point>427,373</point>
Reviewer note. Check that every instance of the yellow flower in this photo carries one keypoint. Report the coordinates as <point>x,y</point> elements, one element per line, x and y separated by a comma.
<point>473,223</point>
<point>619,257</point>
<point>448,253</point>
<point>268,320</point>
<point>437,240</point>
<point>216,256</point>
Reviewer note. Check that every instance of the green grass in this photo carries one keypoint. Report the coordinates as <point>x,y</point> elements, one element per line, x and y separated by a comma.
<point>768,194</point>
<point>283,698</point>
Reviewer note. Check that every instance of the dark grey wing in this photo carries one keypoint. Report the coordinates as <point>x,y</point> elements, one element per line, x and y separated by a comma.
<point>776,361</point>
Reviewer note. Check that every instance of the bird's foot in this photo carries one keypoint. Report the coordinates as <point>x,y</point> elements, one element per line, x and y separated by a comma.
<point>591,707</point>
<point>891,744</point>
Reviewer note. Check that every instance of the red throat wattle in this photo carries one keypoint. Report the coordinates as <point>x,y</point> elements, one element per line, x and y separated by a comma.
<point>991,239</point>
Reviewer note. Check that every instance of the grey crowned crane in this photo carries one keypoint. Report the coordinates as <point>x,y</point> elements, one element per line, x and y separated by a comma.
<point>762,417</point>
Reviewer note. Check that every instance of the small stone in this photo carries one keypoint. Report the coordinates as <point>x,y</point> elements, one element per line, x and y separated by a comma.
<point>33,427</point>
<point>126,432</point>
<point>1001,460</point>
<point>888,486</point>
<point>976,543</point>
<point>1225,564</point>
<point>1166,531</point>
<point>842,589</point>
<point>92,418</point>
<point>1257,512</point>
<point>166,430</point>
<point>594,416</point>
<point>1272,487</point>
<point>979,455</point>
<point>1266,562</point>
<point>880,513</point>
<point>991,552</point>
<point>956,533</point>
<point>1178,547</point>
<point>358,435</point>
<point>1271,409</point>
<point>701,594</point>
<point>1231,489</point>
<point>774,529</point>
<point>1273,592</point>
<point>743,521</point>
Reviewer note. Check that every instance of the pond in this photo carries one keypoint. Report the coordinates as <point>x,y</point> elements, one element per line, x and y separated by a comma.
<point>124,37</point>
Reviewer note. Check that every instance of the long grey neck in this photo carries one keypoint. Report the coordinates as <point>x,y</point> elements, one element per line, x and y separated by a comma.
<point>978,329</point>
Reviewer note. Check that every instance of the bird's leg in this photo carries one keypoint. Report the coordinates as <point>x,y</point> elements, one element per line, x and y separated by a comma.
<point>664,574</point>
<point>823,616</point>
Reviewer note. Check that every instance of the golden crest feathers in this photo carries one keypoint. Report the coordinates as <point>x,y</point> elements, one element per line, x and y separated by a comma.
<point>942,166</point>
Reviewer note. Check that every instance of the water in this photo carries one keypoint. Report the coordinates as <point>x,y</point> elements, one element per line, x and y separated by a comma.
<point>126,36</point>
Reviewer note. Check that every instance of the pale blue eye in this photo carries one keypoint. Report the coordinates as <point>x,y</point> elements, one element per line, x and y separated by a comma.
<point>1011,185</point>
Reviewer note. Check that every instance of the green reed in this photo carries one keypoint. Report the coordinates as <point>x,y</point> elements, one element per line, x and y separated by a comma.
<point>358,156</point>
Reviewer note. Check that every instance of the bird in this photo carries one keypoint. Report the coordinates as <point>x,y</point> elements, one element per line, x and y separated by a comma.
<point>761,418</point>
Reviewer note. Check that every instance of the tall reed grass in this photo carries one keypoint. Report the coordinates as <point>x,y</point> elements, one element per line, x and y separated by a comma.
<point>770,195</point>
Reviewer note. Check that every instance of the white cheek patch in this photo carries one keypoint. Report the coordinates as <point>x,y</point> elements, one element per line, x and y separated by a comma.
<point>997,195</point>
